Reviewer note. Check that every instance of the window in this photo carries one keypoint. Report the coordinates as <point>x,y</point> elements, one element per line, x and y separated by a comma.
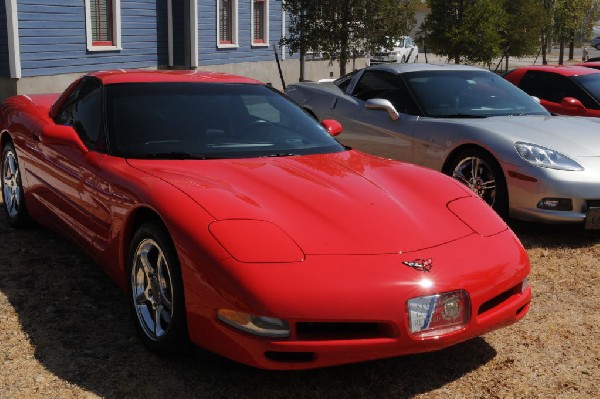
<point>260,20</point>
<point>227,23</point>
<point>103,24</point>
<point>83,110</point>
<point>552,87</point>
<point>377,84</point>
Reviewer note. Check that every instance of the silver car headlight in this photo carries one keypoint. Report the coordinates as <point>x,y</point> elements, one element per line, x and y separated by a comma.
<point>545,158</point>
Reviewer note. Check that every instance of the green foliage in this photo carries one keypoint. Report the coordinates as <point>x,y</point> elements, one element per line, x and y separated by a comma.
<point>464,30</point>
<point>340,29</point>
<point>527,19</point>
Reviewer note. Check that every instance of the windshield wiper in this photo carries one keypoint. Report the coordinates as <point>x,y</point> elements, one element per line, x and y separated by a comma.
<point>462,116</point>
<point>174,155</point>
<point>280,154</point>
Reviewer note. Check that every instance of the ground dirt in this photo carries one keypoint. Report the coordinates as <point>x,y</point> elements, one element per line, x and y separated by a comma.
<point>65,333</point>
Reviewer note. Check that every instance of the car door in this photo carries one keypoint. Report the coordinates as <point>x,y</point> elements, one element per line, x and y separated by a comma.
<point>71,175</point>
<point>552,88</point>
<point>374,131</point>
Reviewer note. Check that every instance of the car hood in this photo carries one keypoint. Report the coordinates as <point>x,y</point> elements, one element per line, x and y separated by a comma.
<point>571,135</point>
<point>344,203</point>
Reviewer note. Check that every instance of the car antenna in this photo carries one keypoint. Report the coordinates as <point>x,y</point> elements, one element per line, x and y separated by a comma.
<point>279,66</point>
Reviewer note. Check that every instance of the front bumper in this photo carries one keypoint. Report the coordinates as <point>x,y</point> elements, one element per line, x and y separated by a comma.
<point>582,188</point>
<point>353,308</point>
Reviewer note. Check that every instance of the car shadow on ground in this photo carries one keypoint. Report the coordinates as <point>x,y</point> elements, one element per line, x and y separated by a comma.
<point>540,235</point>
<point>77,322</point>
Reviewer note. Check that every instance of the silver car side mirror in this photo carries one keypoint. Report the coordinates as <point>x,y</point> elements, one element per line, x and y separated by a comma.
<point>383,105</point>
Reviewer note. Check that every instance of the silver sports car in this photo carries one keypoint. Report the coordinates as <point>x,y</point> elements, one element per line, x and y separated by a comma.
<point>473,125</point>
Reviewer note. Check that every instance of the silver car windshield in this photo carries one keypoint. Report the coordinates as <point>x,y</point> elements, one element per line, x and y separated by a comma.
<point>468,94</point>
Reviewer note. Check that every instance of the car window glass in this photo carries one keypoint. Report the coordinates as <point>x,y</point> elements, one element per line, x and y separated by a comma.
<point>345,81</point>
<point>468,93</point>
<point>259,108</point>
<point>551,87</point>
<point>83,111</point>
<point>379,84</point>
<point>591,84</point>
<point>209,120</point>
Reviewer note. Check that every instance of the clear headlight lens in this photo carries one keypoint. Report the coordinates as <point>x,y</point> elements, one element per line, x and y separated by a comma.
<point>435,315</point>
<point>545,157</point>
<point>257,325</point>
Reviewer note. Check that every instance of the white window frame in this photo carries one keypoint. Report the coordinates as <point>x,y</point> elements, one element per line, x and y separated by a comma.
<point>116,13</point>
<point>266,23</point>
<point>234,26</point>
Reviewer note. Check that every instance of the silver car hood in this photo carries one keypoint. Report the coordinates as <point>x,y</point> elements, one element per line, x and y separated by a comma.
<point>571,135</point>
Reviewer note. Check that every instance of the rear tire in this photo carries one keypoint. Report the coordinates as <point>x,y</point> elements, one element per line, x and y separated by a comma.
<point>156,291</point>
<point>12,188</point>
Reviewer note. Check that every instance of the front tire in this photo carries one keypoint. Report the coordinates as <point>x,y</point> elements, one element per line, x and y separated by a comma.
<point>156,291</point>
<point>12,188</point>
<point>481,173</point>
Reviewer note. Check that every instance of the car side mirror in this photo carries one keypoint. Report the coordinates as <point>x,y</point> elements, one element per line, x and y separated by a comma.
<point>332,126</point>
<point>572,103</point>
<point>383,105</point>
<point>62,135</point>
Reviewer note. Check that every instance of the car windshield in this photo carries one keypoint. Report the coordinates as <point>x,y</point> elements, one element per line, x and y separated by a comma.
<point>466,94</point>
<point>591,83</point>
<point>208,121</point>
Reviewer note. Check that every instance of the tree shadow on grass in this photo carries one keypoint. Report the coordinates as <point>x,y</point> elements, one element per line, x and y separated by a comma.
<point>78,323</point>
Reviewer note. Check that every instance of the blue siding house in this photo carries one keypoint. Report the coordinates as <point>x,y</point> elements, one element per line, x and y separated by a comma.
<point>45,44</point>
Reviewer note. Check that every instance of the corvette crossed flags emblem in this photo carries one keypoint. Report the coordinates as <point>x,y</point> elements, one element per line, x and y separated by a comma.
<point>421,265</point>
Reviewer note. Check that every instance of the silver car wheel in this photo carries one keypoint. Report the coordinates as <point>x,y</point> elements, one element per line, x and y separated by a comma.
<point>476,174</point>
<point>152,289</point>
<point>11,185</point>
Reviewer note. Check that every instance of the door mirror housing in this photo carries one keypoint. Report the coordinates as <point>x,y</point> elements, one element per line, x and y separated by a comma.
<point>573,104</point>
<point>332,126</point>
<point>383,105</point>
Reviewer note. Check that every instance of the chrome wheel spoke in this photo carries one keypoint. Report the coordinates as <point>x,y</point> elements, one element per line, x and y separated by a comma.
<point>475,169</point>
<point>458,175</point>
<point>475,173</point>
<point>10,179</point>
<point>488,185</point>
<point>152,289</point>
<point>164,283</point>
<point>12,204</point>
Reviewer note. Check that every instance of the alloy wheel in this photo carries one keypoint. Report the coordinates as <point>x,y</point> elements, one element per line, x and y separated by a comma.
<point>477,175</point>
<point>152,289</point>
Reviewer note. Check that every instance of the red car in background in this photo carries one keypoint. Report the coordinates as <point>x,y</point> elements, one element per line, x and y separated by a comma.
<point>564,90</point>
<point>590,64</point>
<point>234,220</point>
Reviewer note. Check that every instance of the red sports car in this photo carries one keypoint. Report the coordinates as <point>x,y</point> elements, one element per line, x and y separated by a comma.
<point>235,220</point>
<point>590,64</point>
<point>564,90</point>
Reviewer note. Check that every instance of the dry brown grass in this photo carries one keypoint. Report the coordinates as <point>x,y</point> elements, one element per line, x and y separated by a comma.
<point>65,333</point>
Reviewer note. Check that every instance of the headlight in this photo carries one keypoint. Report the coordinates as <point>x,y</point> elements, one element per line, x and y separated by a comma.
<point>257,325</point>
<point>435,315</point>
<point>545,157</point>
<point>256,241</point>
